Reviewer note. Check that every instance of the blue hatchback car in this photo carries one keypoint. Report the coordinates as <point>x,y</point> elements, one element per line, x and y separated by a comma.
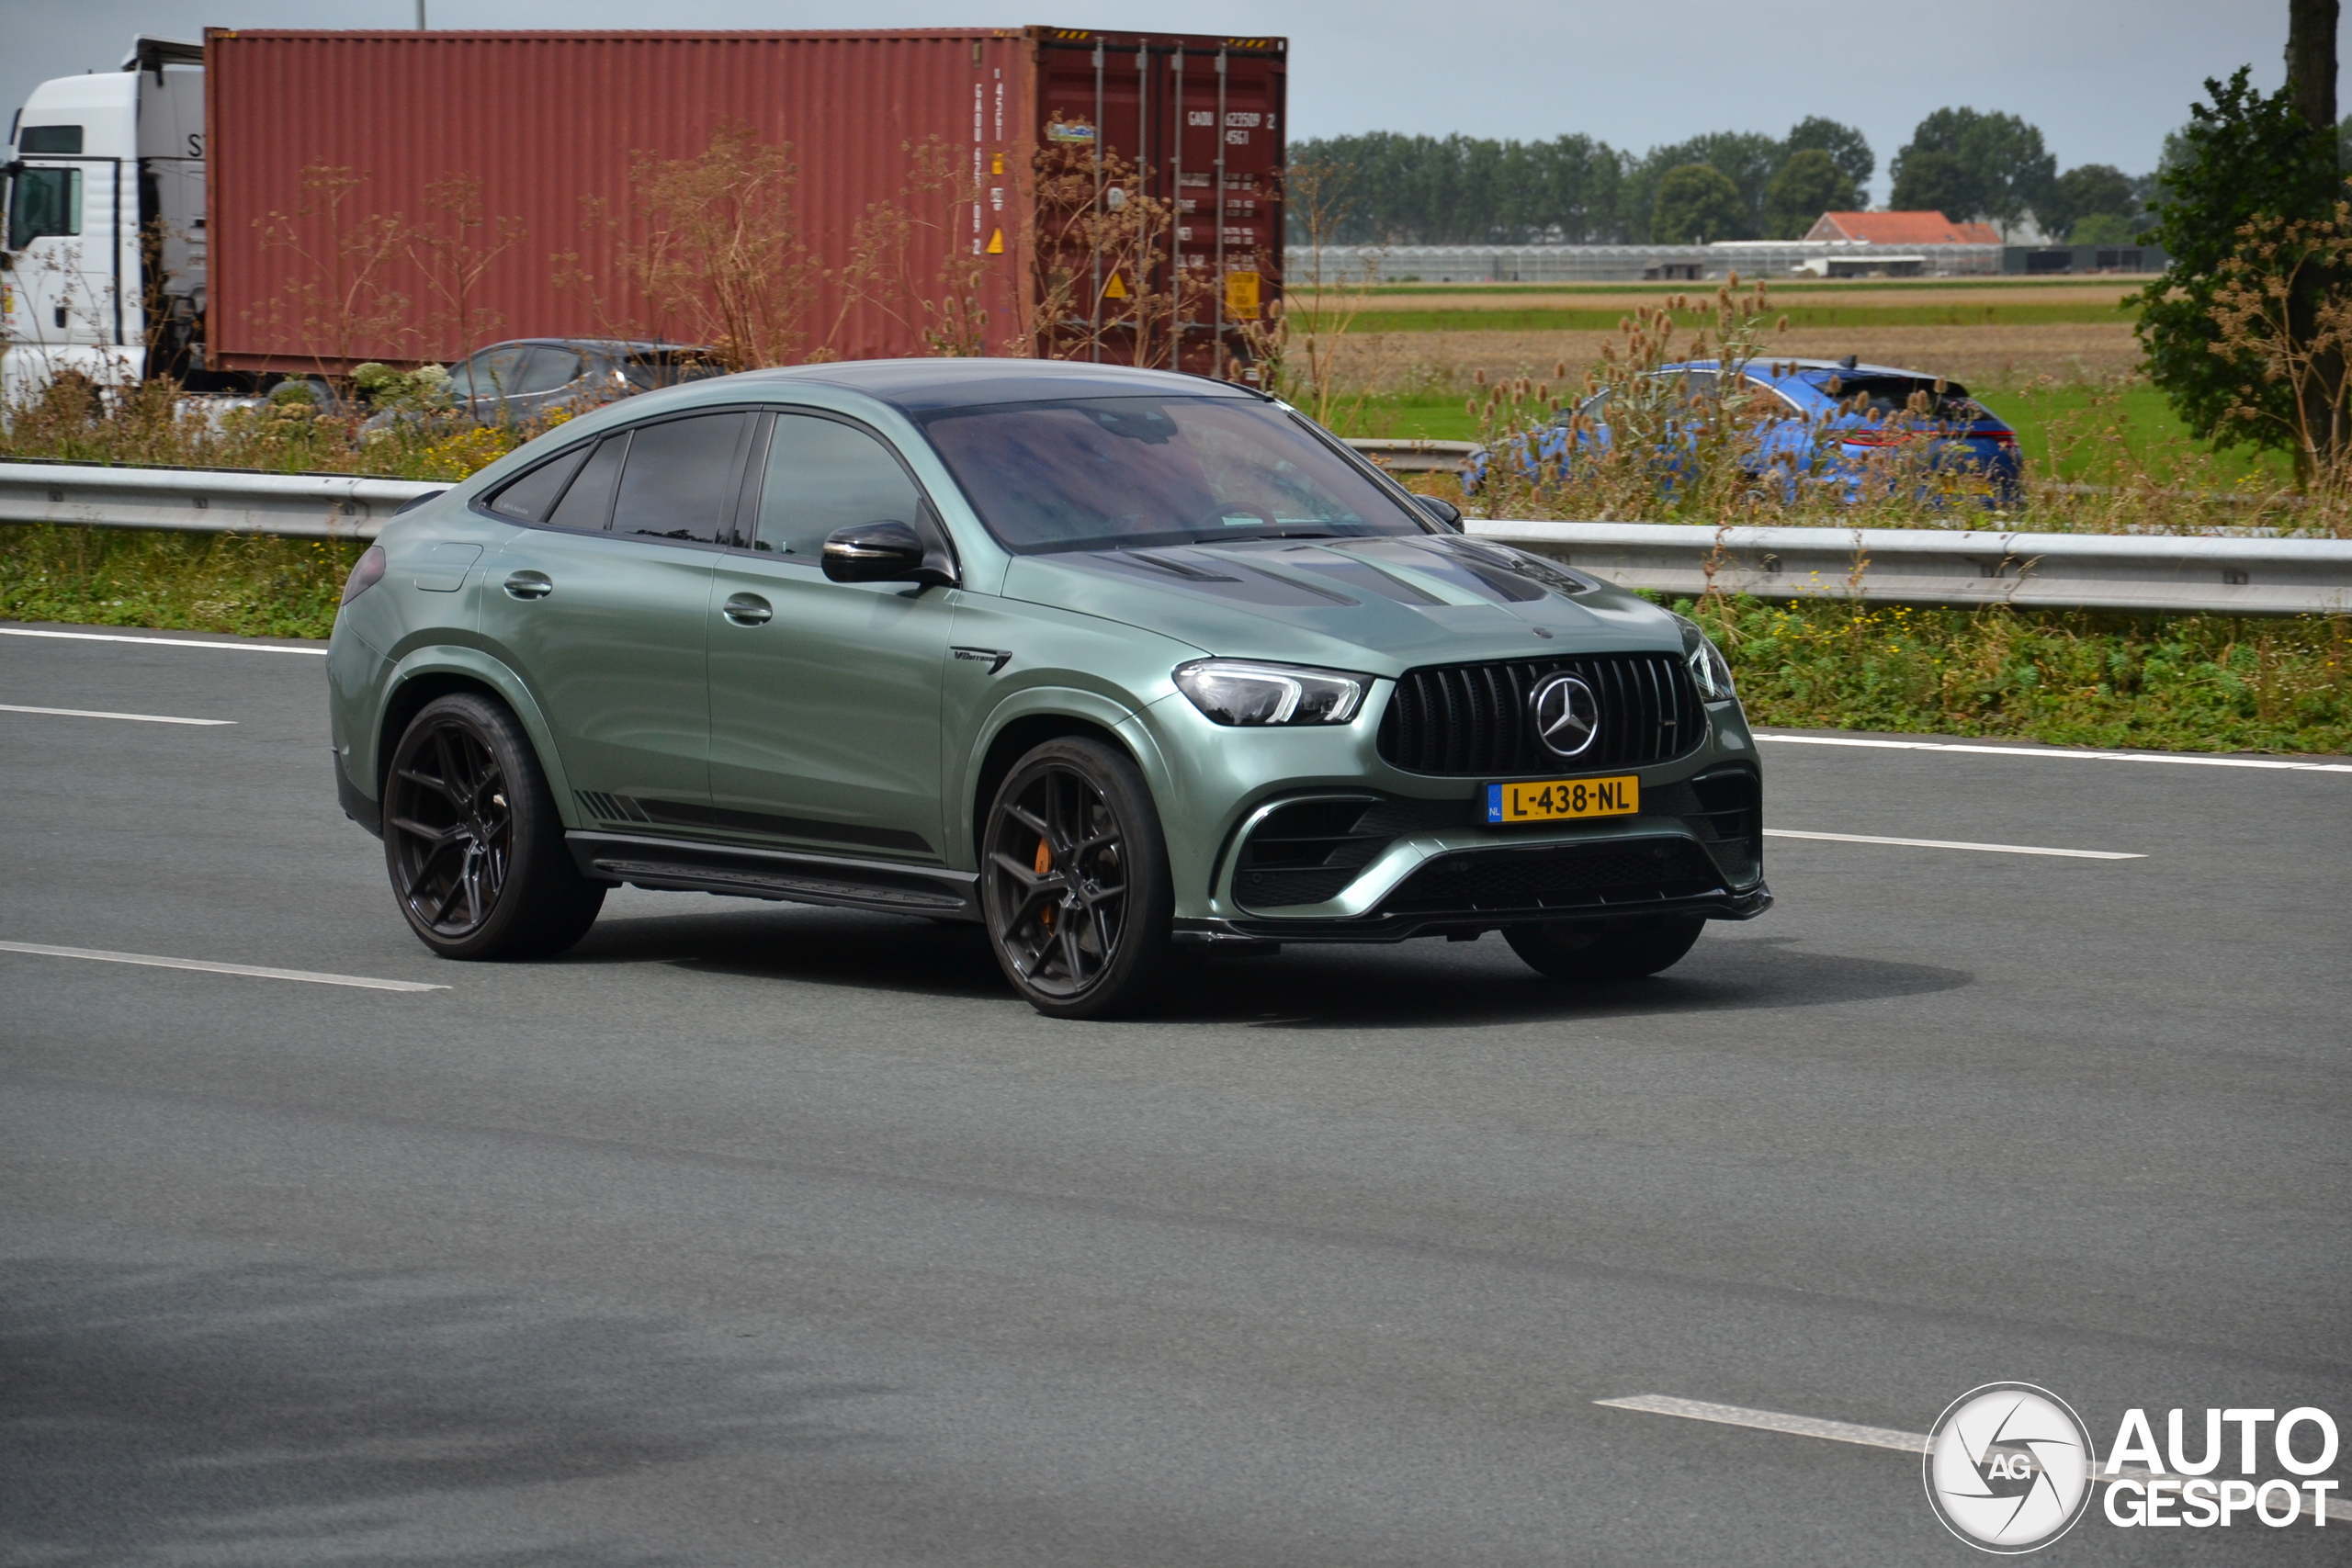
<point>1826,420</point>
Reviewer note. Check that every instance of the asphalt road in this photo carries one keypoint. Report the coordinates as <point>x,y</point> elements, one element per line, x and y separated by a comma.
<point>757,1233</point>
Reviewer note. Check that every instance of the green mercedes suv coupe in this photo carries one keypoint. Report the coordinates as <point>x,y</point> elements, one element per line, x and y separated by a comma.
<point>1119,665</point>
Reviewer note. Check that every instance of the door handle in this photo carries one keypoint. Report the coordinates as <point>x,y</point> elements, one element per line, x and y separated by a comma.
<point>747,610</point>
<point>529,585</point>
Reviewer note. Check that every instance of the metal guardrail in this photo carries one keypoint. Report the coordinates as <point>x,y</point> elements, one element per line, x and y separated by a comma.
<point>2237,576</point>
<point>1416,456</point>
<point>204,501</point>
<point>1933,566</point>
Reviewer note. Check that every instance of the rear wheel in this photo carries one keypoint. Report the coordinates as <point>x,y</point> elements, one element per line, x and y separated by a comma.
<point>472,839</point>
<point>1074,881</point>
<point>1624,949</point>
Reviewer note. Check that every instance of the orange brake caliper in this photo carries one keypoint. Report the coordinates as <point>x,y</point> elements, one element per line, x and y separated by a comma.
<point>1045,863</point>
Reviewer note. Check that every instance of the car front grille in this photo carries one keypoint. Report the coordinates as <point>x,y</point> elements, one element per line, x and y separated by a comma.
<point>1613,875</point>
<point>1472,720</point>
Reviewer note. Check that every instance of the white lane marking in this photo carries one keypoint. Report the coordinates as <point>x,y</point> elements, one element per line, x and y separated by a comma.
<point>2178,758</point>
<point>1869,1437</point>
<point>1951,844</point>
<point>162,641</point>
<point>154,961</point>
<point>93,713</point>
<point>1770,1421</point>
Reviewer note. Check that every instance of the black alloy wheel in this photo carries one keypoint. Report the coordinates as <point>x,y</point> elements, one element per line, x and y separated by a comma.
<point>1625,948</point>
<point>1074,881</point>
<point>472,839</point>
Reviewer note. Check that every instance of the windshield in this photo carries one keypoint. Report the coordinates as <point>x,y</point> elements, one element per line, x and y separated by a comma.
<point>1117,472</point>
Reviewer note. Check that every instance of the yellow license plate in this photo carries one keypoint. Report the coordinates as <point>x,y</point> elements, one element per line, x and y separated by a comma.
<point>1557,800</point>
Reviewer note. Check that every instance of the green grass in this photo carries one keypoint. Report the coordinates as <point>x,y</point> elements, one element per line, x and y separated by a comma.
<point>1547,318</point>
<point>2070,678</point>
<point>117,576</point>
<point>2109,436</point>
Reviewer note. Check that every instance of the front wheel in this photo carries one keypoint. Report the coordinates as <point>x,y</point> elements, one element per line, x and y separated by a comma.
<point>1623,949</point>
<point>1074,881</point>
<point>472,839</point>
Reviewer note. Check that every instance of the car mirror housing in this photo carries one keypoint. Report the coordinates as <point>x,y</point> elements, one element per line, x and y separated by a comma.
<point>1445,511</point>
<point>886,550</point>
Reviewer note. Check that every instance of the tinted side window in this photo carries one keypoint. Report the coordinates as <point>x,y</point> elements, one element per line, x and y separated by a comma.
<point>45,202</point>
<point>529,498</point>
<point>490,374</point>
<point>589,503</point>
<point>545,369</point>
<point>682,476</point>
<point>823,476</point>
<point>64,141</point>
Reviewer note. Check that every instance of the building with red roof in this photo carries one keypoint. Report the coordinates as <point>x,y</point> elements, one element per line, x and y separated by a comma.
<point>1901,229</point>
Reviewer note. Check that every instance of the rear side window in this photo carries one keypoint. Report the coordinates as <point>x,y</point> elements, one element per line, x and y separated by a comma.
<point>646,372</point>
<point>823,476</point>
<point>682,477</point>
<point>544,369</point>
<point>493,373</point>
<point>589,503</point>
<point>44,203</point>
<point>60,140</point>
<point>1893,394</point>
<point>530,497</point>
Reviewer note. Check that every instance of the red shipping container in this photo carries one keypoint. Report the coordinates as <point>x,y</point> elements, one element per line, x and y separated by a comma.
<point>409,196</point>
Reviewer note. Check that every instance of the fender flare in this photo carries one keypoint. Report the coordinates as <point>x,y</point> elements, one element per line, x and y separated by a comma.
<point>1046,701</point>
<point>451,658</point>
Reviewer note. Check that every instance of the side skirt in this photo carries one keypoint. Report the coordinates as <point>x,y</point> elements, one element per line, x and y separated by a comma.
<point>669,865</point>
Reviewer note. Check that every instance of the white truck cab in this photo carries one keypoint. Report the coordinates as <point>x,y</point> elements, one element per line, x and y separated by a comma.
<point>102,265</point>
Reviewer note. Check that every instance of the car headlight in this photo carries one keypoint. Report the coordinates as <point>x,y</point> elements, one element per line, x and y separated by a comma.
<point>1232,690</point>
<point>1709,668</point>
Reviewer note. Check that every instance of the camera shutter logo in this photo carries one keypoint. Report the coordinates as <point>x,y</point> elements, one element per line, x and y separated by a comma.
<point>1566,713</point>
<point>2008,1468</point>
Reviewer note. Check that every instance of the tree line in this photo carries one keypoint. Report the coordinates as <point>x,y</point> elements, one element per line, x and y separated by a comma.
<point>1388,188</point>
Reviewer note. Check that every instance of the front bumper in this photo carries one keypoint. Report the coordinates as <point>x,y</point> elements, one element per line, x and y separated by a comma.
<point>1467,920</point>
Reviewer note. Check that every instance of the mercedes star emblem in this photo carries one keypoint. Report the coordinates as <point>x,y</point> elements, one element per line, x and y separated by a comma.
<point>1567,716</point>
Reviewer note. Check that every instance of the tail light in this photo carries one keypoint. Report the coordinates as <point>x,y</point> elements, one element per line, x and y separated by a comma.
<point>1877,437</point>
<point>366,573</point>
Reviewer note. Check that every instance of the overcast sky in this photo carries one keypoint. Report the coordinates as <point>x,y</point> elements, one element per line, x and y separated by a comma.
<point>2104,79</point>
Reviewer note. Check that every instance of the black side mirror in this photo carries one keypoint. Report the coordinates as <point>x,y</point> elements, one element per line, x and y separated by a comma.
<point>1445,511</point>
<point>885,551</point>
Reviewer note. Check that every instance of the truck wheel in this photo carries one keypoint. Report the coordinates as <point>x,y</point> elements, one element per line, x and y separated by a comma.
<point>1624,949</point>
<point>1074,881</point>
<point>472,839</point>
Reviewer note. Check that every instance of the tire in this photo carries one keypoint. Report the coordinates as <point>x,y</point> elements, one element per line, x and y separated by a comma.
<point>1074,881</point>
<point>472,840</point>
<point>1591,950</point>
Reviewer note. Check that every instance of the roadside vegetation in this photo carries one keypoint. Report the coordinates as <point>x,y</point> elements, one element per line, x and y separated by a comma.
<point>2195,684</point>
<point>2182,683</point>
<point>213,583</point>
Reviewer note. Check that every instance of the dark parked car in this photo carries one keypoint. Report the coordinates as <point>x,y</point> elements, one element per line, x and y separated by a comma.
<point>529,378</point>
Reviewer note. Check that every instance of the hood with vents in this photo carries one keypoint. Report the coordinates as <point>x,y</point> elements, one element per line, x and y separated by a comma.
<point>1380,606</point>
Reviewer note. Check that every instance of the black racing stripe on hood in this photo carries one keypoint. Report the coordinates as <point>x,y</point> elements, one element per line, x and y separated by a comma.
<point>1188,572</point>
